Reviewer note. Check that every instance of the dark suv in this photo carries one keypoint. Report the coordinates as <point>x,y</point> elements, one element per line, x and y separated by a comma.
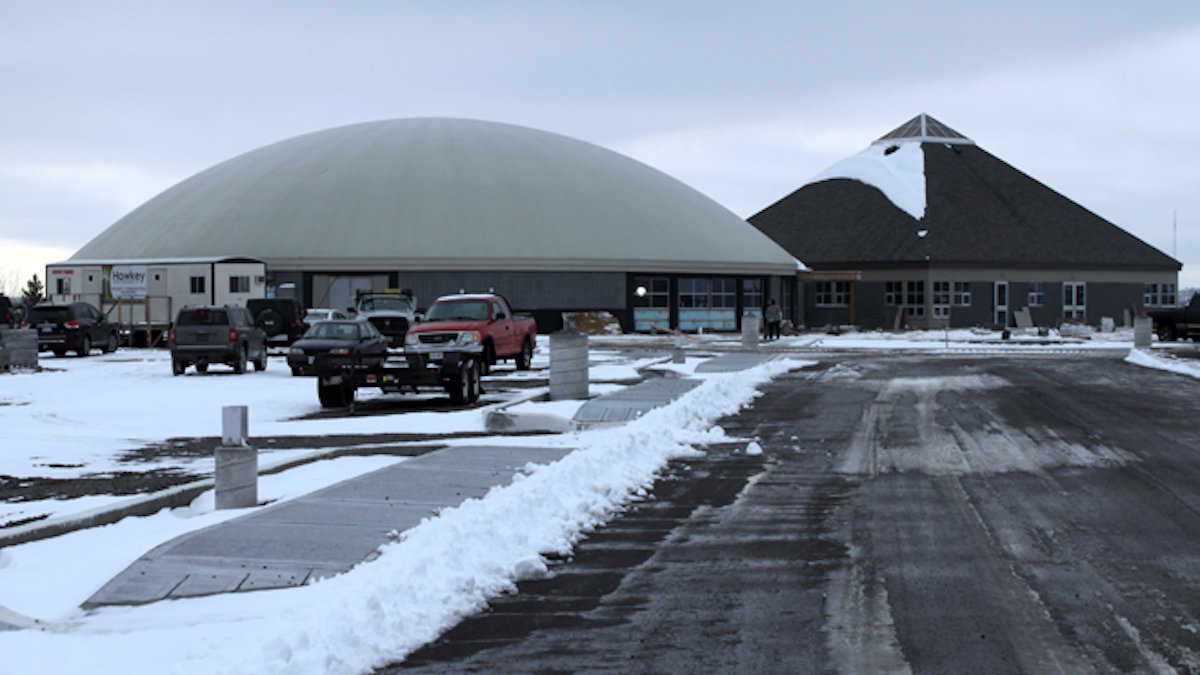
<point>278,317</point>
<point>216,334</point>
<point>75,327</point>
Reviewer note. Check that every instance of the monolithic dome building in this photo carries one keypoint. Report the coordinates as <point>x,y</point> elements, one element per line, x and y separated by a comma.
<point>442,205</point>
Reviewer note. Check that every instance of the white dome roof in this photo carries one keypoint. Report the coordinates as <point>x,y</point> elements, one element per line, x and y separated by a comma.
<point>441,194</point>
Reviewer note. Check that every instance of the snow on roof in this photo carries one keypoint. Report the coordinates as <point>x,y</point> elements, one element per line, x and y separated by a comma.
<point>896,169</point>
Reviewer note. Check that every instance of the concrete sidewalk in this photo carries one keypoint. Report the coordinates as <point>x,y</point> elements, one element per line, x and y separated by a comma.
<point>321,534</point>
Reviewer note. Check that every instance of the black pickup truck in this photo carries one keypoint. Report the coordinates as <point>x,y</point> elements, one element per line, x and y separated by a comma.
<point>1177,322</point>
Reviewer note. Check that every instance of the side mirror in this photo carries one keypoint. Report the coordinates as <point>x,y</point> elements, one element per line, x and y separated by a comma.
<point>418,318</point>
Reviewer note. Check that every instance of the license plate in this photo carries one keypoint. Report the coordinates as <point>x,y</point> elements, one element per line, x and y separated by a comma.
<point>47,329</point>
<point>436,356</point>
<point>311,359</point>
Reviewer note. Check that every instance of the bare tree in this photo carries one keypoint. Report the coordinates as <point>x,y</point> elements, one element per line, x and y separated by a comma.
<point>10,282</point>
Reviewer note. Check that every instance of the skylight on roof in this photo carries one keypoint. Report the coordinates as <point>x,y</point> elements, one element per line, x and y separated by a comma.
<point>925,129</point>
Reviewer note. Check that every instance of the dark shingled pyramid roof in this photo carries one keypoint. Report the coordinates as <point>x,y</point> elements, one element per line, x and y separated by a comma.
<point>980,211</point>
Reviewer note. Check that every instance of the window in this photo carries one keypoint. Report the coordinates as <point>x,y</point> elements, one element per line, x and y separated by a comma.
<point>833,293</point>
<point>752,294</point>
<point>1074,302</point>
<point>1158,295</point>
<point>785,297</point>
<point>914,298</point>
<point>893,293</point>
<point>657,292</point>
<point>1037,293</point>
<point>962,294</point>
<point>239,284</point>
<point>724,294</point>
<point>197,284</point>
<point>693,293</point>
<point>941,299</point>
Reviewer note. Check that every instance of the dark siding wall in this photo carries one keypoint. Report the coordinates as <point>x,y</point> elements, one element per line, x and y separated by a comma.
<point>527,291</point>
<point>1111,300</point>
<point>869,310</point>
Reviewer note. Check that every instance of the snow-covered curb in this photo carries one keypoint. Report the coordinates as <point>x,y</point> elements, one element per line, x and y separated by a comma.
<point>1141,357</point>
<point>440,571</point>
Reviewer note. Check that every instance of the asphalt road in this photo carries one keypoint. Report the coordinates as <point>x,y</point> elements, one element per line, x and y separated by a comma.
<point>917,513</point>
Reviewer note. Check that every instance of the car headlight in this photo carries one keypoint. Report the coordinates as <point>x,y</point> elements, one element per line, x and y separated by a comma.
<point>412,340</point>
<point>296,351</point>
<point>342,351</point>
<point>469,338</point>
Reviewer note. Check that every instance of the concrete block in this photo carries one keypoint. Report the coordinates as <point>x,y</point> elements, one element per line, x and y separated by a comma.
<point>236,477</point>
<point>568,366</point>
<point>1141,331</point>
<point>21,345</point>
<point>235,425</point>
<point>750,332</point>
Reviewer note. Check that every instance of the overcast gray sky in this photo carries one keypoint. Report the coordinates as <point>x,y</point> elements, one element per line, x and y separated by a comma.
<point>103,106</point>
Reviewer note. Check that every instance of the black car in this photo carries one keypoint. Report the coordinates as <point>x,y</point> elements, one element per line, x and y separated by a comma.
<point>337,343</point>
<point>8,317</point>
<point>75,327</point>
<point>216,334</point>
<point>278,317</point>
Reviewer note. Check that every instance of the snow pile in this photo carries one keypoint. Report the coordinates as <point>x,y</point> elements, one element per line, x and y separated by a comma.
<point>1142,357</point>
<point>438,572</point>
<point>900,176</point>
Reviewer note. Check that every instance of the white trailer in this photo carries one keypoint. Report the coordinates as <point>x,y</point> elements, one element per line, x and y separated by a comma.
<point>143,295</point>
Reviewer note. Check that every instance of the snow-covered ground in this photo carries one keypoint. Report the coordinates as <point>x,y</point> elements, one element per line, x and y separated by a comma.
<point>438,572</point>
<point>84,417</point>
<point>1161,361</point>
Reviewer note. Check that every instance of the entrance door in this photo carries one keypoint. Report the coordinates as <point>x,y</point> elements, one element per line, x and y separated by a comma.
<point>1000,303</point>
<point>1074,302</point>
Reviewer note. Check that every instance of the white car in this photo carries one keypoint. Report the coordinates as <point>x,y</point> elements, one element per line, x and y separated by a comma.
<point>314,315</point>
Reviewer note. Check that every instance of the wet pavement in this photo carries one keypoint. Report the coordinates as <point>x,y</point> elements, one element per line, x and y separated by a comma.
<point>910,513</point>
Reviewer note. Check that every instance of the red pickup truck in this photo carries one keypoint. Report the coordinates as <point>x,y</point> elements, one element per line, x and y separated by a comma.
<point>484,319</point>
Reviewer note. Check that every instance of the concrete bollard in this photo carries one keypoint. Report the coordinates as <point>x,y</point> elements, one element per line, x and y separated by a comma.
<point>677,352</point>
<point>750,331</point>
<point>568,365</point>
<point>236,473</point>
<point>22,347</point>
<point>1141,332</point>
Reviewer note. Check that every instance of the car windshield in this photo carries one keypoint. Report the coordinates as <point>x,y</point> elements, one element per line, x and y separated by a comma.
<point>398,303</point>
<point>333,330</point>
<point>203,317</point>
<point>40,314</point>
<point>472,310</point>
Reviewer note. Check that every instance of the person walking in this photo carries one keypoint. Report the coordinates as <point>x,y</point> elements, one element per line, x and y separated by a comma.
<point>774,316</point>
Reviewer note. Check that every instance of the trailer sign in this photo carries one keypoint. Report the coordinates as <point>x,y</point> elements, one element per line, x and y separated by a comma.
<point>128,281</point>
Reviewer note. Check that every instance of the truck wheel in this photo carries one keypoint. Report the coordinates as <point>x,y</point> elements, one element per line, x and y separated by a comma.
<point>473,388</point>
<point>487,358</point>
<point>525,357</point>
<point>330,395</point>
<point>261,362</point>
<point>177,367</point>
<point>239,360</point>
<point>202,366</point>
<point>459,387</point>
<point>1166,332</point>
<point>296,370</point>
<point>111,345</point>
<point>85,346</point>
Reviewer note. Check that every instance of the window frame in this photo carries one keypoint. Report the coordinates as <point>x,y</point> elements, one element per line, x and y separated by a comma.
<point>831,293</point>
<point>1035,294</point>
